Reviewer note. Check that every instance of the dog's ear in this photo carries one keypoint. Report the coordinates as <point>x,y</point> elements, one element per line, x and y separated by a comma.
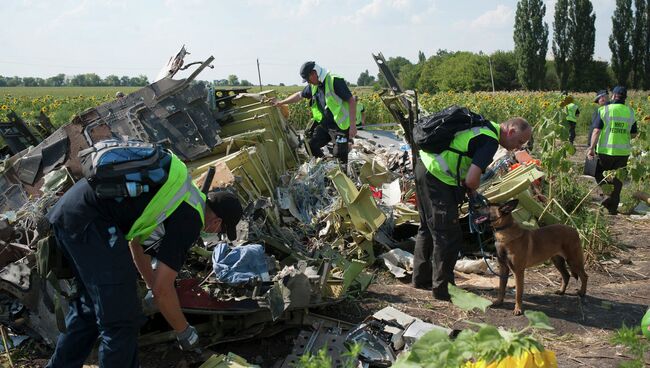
<point>509,206</point>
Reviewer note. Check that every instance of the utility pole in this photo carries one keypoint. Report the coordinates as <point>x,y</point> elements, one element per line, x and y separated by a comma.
<point>491,75</point>
<point>259,76</point>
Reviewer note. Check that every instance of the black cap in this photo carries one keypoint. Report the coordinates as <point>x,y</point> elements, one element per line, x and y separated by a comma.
<point>620,90</point>
<point>226,205</point>
<point>599,94</point>
<point>305,69</point>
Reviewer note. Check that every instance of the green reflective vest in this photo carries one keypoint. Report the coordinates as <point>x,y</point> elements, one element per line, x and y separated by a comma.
<point>177,189</point>
<point>614,139</point>
<point>339,108</point>
<point>360,109</point>
<point>449,166</point>
<point>571,112</point>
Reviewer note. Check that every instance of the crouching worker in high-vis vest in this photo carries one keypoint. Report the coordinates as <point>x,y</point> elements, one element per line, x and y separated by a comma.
<point>333,109</point>
<point>441,181</point>
<point>101,237</point>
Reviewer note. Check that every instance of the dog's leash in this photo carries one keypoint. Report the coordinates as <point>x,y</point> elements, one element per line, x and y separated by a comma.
<point>477,224</point>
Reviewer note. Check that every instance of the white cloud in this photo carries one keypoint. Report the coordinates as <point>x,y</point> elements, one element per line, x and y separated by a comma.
<point>70,14</point>
<point>414,11</point>
<point>424,16</point>
<point>305,7</point>
<point>497,18</point>
<point>371,10</point>
<point>287,9</point>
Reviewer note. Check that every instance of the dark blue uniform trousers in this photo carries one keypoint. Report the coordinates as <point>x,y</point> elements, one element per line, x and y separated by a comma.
<point>108,305</point>
<point>439,236</point>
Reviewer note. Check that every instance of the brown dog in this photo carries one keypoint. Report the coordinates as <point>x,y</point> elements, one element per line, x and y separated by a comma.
<point>518,249</point>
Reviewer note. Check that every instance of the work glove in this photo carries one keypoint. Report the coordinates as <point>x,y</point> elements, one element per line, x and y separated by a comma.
<point>188,340</point>
<point>149,306</point>
<point>479,207</point>
<point>309,132</point>
<point>478,201</point>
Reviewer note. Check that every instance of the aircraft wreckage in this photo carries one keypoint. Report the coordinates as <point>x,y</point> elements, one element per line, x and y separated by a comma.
<point>312,227</point>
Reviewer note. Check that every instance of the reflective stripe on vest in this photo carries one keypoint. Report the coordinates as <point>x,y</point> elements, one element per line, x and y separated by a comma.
<point>359,112</point>
<point>571,112</point>
<point>614,139</point>
<point>316,114</point>
<point>177,189</point>
<point>443,165</point>
<point>339,108</point>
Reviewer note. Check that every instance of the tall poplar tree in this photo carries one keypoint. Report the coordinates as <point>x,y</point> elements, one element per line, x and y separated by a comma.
<point>638,43</point>
<point>582,27</point>
<point>531,43</point>
<point>562,42</point>
<point>620,39</point>
<point>646,50</point>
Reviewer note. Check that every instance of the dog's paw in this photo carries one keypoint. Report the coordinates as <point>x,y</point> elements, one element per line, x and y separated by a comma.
<point>559,292</point>
<point>517,311</point>
<point>497,303</point>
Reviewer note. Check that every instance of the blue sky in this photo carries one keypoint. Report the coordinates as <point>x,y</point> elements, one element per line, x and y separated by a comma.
<point>132,37</point>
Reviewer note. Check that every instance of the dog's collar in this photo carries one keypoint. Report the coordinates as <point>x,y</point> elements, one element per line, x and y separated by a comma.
<point>503,227</point>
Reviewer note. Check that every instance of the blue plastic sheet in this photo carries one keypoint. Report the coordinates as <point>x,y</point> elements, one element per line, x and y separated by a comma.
<point>239,264</point>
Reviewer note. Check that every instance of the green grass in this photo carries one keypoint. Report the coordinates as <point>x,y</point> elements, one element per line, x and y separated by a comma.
<point>63,91</point>
<point>636,345</point>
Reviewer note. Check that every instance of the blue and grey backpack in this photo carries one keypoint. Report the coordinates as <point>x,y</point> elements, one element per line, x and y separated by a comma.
<point>118,168</point>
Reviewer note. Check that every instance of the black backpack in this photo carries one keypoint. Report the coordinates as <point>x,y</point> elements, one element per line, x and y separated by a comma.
<point>124,167</point>
<point>434,133</point>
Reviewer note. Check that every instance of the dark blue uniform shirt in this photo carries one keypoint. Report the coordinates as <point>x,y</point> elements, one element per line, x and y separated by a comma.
<point>340,89</point>
<point>80,206</point>
<point>482,149</point>
<point>597,122</point>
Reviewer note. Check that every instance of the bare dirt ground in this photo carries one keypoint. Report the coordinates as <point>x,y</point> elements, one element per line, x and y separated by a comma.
<point>617,294</point>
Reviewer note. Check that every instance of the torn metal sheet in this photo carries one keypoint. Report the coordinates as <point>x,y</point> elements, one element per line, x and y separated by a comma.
<point>360,205</point>
<point>28,165</point>
<point>43,158</point>
<point>170,112</point>
<point>310,342</point>
<point>391,193</point>
<point>418,328</point>
<point>13,197</point>
<point>399,262</point>
<point>17,273</point>
<point>55,150</point>
<point>227,361</point>
<point>375,174</point>
<point>376,346</point>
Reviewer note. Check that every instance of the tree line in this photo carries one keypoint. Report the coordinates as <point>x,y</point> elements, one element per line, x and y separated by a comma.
<point>526,67</point>
<point>232,80</point>
<point>467,71</point>
<point>93,80</point>
<point>83,80</point>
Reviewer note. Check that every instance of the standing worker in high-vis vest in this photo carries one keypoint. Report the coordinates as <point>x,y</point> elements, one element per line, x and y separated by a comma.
<point>103,239</point>
<point>333,108</point>
<point>613,130</point>
<point>572,113</point>
<point>441,181</point>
